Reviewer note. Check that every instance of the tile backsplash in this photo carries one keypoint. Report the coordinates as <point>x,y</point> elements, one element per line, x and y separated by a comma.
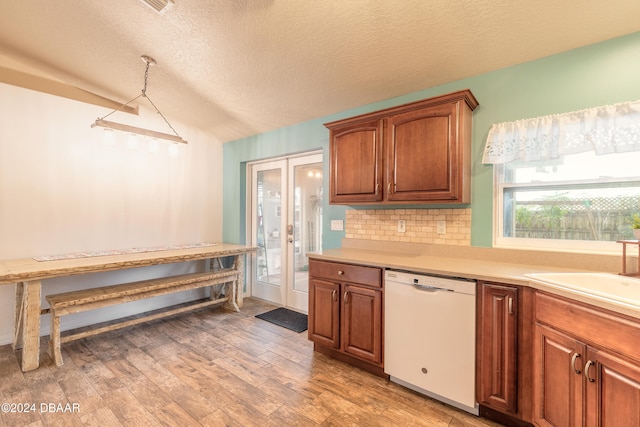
<point>421,225</point>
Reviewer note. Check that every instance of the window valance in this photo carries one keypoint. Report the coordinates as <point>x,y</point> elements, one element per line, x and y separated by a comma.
<point>606,129</point>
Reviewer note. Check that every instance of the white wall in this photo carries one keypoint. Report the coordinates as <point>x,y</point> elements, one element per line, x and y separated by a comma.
<point>63,190</point>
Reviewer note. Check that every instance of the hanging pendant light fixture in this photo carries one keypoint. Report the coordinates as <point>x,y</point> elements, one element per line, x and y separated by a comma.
<point>100,121</point>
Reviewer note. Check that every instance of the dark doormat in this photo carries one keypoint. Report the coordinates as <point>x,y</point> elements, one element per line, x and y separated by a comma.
<point>286,318</point>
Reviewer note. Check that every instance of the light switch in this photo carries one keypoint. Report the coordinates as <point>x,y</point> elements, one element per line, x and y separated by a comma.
<point>441,227</point>
<point>401,226</point>
<point>337,225</point>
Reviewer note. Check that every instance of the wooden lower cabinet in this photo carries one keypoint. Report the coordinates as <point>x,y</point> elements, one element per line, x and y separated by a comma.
<point>579,385</point>
<point>498,346</point>
<point>586,366</point>
<point>362,323</point>
<point>503,353</point>
<point>345,313</point>
<point>559,382</point>
<point>324,312</point>
<point>612,390</point>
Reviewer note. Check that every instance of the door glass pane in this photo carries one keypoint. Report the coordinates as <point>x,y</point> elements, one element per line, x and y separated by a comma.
<point>268,219</point>
<point>307,220</point>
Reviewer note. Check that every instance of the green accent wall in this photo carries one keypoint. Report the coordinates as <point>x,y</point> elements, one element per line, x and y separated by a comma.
<point>603,73</point>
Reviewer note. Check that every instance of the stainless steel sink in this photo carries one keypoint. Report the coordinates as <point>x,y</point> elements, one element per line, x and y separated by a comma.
<point>606,285</point>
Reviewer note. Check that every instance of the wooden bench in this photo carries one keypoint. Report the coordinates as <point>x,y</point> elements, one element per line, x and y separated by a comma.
<point>89,299</point>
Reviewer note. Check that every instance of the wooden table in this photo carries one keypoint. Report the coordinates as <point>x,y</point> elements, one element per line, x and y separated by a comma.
<point>28,275</point>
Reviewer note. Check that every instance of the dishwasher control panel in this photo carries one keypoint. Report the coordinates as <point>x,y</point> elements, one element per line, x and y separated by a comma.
<point>428,282</point>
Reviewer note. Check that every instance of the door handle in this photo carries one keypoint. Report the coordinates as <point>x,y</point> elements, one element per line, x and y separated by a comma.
<point>573,363</point>
<point>334,295</point>
<point>510,305</point>
<point>586,371</point>
<point>345,298</point>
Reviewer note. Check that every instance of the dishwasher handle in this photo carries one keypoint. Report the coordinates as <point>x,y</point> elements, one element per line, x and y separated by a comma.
<point>428,288</point>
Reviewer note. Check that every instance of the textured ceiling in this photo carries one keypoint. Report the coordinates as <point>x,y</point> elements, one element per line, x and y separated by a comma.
<point>236,68</point>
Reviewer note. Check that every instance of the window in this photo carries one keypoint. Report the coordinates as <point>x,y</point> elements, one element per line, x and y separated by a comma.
<point>580,201</point>
<point>566,185</point>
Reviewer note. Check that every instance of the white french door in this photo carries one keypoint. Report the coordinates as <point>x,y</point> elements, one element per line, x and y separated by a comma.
<point>286,224</point>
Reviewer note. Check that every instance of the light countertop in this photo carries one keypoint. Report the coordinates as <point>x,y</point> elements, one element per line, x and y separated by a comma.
<point>471,264</point>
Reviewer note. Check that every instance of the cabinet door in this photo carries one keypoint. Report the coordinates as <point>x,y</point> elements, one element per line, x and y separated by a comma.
<point>362,322</point>
<point>324,312</point>
<point>558,381</point>
<point>613,391</point>
<point>356,163</point>
<point>497,347</point>
<point>423,155</point>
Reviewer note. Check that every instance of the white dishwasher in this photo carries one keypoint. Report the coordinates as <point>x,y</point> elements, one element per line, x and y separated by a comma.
<point>430,336</point>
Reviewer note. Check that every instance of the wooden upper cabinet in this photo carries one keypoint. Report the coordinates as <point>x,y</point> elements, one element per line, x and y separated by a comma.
<point>356,163</point>
<point>414,153</point>
<point>422,155</point>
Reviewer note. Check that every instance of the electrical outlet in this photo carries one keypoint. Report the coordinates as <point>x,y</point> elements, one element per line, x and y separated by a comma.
<point>442,227</point>
<point>401,226</point>
<point>337,225</point>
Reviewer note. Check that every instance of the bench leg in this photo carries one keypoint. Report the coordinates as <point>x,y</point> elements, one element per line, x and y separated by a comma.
<point>54,340</point>
<point>215,291</point>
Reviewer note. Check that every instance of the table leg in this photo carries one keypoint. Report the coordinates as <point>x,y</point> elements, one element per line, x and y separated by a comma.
<point>230,291</point>
<point>27,323</point>
<point>235,289</point>
<point>239,265</point>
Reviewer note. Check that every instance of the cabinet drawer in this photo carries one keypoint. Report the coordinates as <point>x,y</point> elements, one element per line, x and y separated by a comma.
<point>336,271</point>
<point>590,325</point>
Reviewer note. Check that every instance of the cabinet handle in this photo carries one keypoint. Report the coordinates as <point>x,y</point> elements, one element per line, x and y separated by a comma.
<point>389,188</point>
<point>334,295</point>
<point>586,371</point>
<point>340,272</point>
<point>377,189</point>
<point>510,305</point>
<point>346,298</point>
<point>573,363</point>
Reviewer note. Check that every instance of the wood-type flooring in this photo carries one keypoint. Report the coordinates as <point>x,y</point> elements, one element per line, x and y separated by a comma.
<point>208,368</point>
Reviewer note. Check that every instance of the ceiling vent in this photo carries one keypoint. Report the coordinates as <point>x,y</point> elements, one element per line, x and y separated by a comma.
<point>160,6</point>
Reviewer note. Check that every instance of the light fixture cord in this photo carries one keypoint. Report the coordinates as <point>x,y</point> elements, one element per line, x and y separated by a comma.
<point>144,93</point>
<point>120,108</point>
<point>146,76</point>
